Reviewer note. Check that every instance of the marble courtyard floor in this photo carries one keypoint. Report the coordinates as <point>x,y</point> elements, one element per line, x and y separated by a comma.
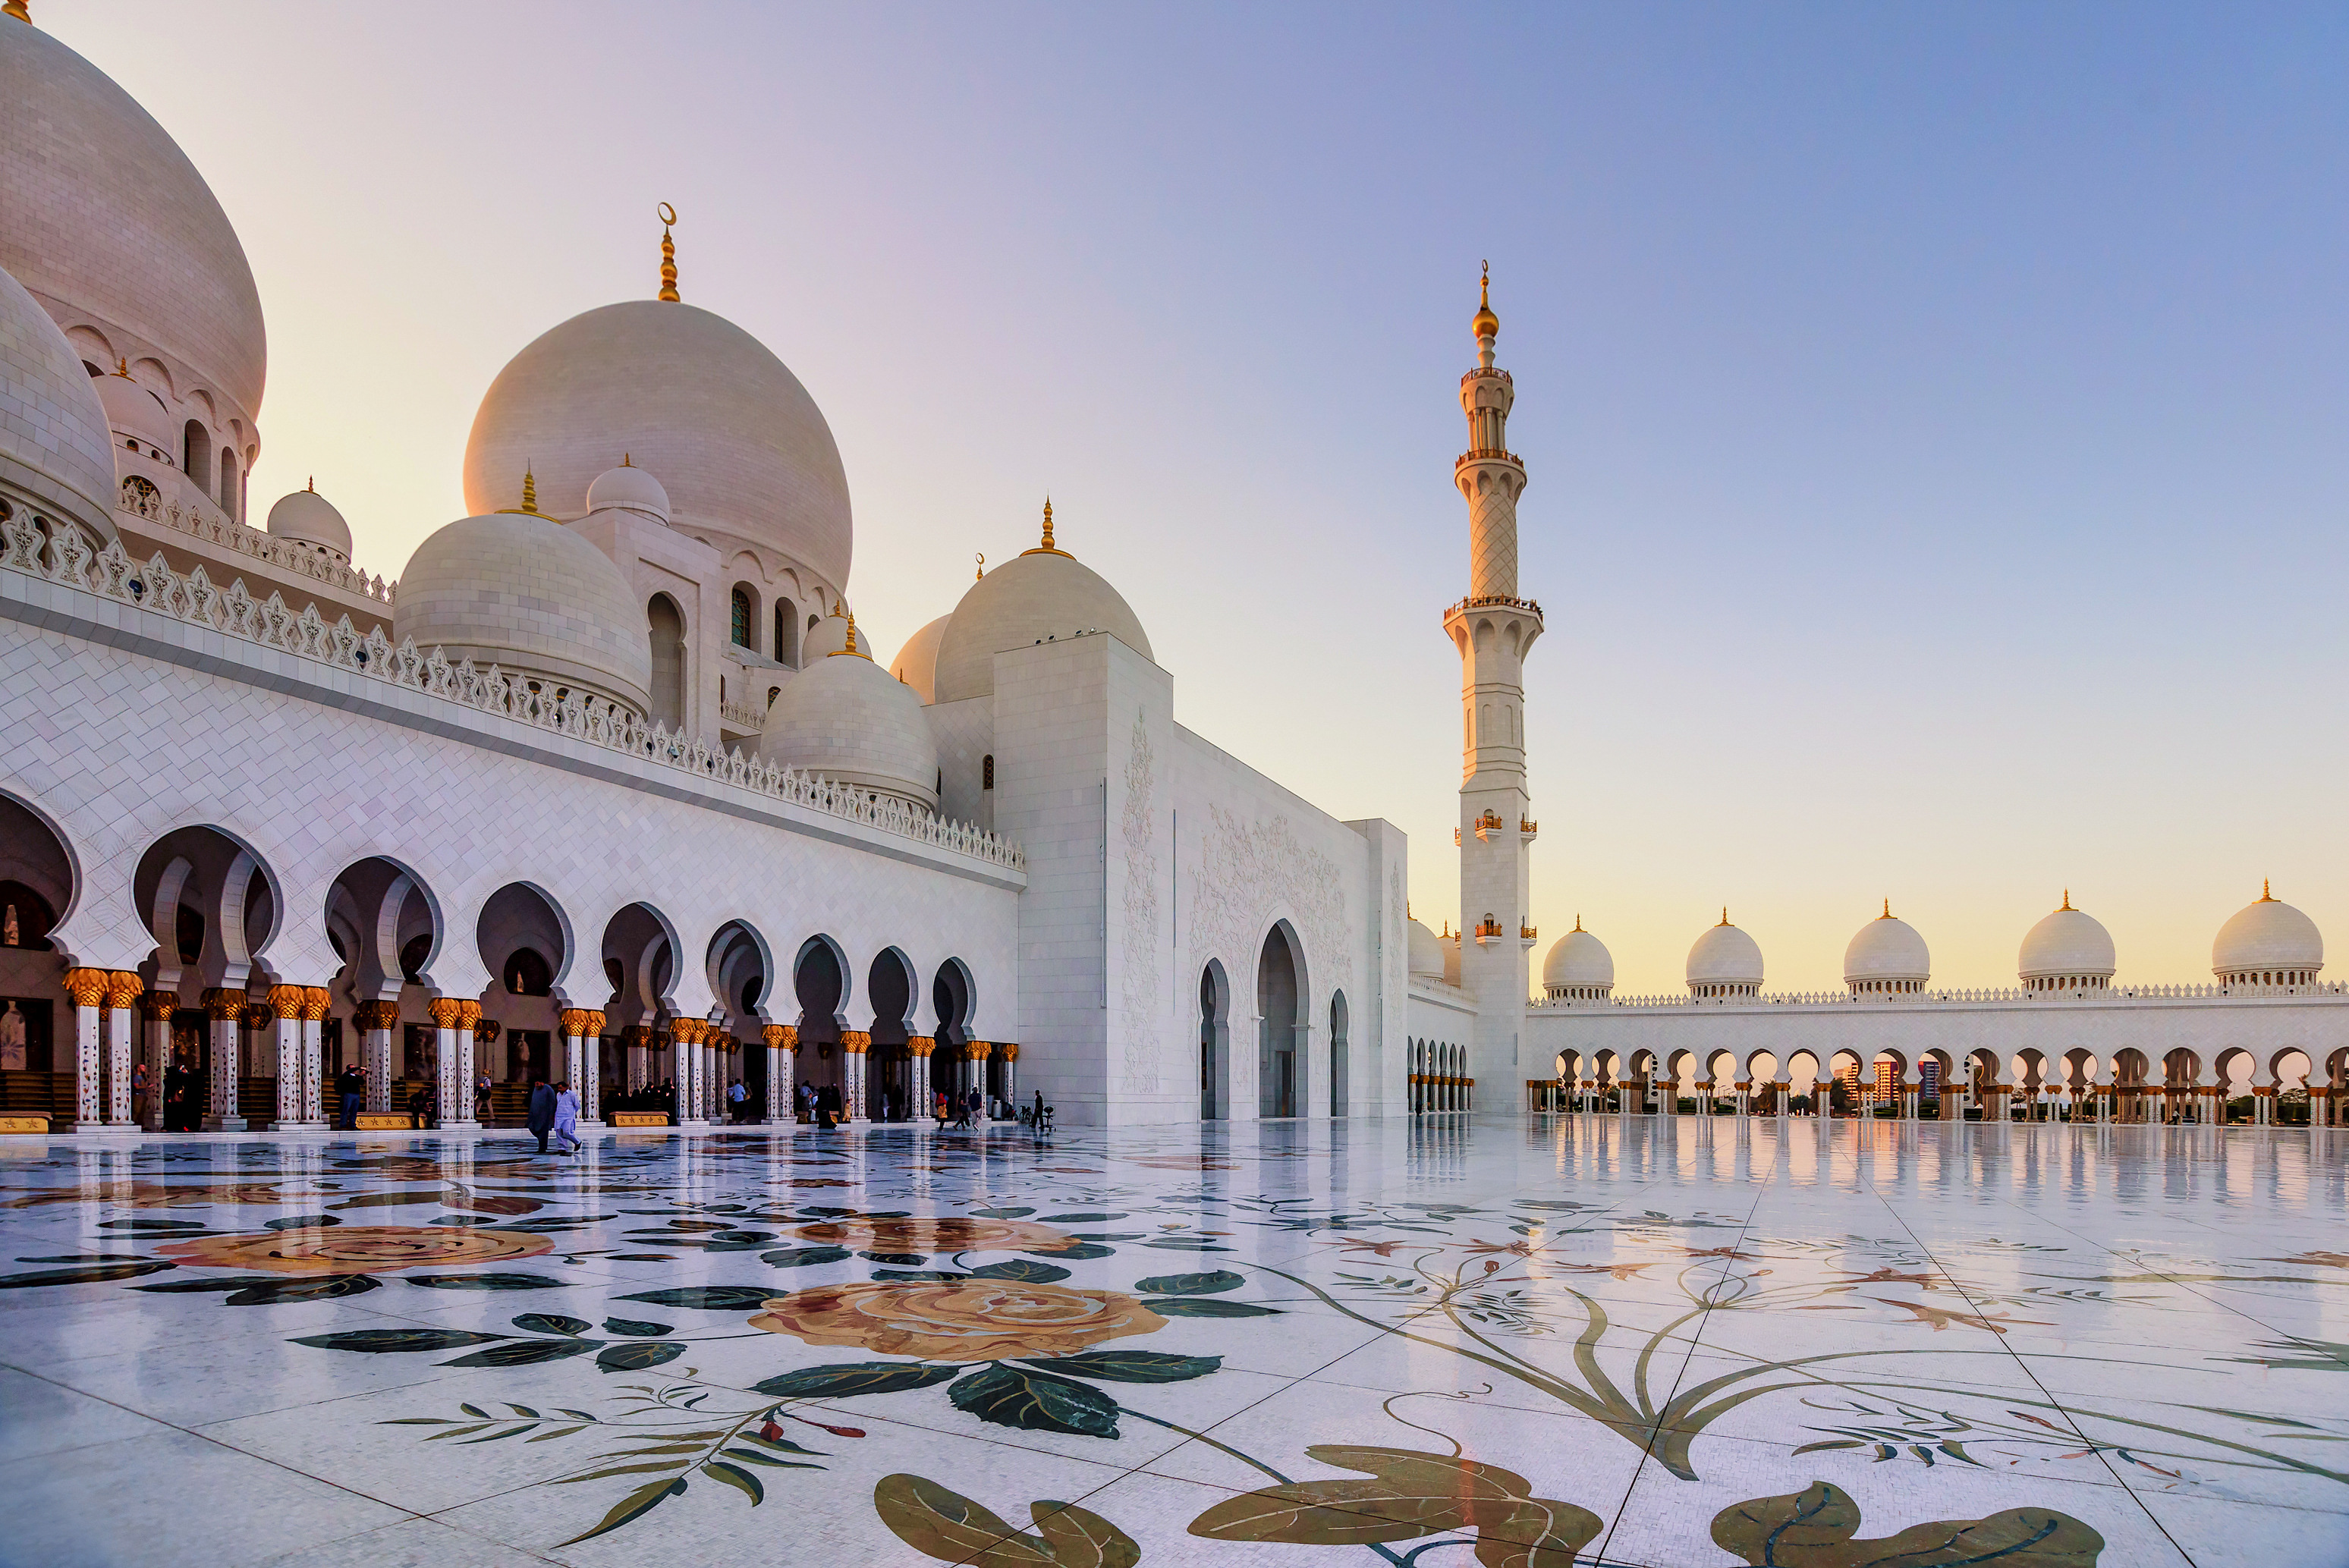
<point>1510,1343</point>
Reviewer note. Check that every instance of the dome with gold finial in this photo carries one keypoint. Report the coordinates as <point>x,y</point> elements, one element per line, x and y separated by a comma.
<point>917,663</point>
<point>517,589</point>
<point>1886,957</point>
<point>2268,943</point>
<point>1042,593</point>
<point>2070,950</point>
<point>57,459</point>
<point>1724,961</point>
<point>847,719</point>
<point>829,635</point>
<point>1578,968</point>
<point>305,517</point>
<point>743,453</point>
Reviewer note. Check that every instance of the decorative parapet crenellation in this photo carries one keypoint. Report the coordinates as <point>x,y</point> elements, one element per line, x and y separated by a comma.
<point>213,527</point>
<point>2103,996</point>
<point>194,599</point>
<point>743,715</point>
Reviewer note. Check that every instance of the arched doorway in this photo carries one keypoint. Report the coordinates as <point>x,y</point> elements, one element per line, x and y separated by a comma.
<point>818,983</point>
<point>890,1080</point>
<point>1338,1089</point>
<point>524,943</point>
<point>220,1058</point>
<point>1279,990</point>
<point>950,999</point>
<point>1214,1044</point>
<point>37,886</point>
<point>739,978</point>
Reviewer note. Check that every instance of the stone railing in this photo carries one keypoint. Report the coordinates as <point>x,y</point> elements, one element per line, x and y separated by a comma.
<point>1996,993</point>
<point>742,715</point>
<point>155,589</point>
<point>301,560</point>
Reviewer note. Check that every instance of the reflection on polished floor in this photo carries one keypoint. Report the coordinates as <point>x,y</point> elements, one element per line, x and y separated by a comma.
<point>1536,1343</point>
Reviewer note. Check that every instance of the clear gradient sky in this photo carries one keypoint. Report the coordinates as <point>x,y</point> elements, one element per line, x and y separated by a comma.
<point>1934,414</point>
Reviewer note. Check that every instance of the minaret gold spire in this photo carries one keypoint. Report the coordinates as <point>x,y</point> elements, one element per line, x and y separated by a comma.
<point>668,253</point>
<point>529,491</point>
<point>980,574</point>
<point>1047,547</point>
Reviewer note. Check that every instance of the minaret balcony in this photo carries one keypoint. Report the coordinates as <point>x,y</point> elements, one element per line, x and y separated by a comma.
<point>1528,829</point>
<point>1486,455</point>
<point>1490,823</point>
<point>1489,932</point>
<point>1527,935</point>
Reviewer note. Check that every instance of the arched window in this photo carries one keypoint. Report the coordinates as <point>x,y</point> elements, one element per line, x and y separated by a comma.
<point>196,454</point>
<point>741,626</point>
<point>228,482</point>
<point>527,974</point>
<point>787,633</point>
<point>667,627</point>
<point>773,693</point>
<point>987,771</point>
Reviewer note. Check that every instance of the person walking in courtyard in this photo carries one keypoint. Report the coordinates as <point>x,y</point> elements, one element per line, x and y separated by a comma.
<point>482,1098</point>
<point>350,1092</point>
<point>737,1097</point>
<point>541,1111</point>
<point>567,1118</point>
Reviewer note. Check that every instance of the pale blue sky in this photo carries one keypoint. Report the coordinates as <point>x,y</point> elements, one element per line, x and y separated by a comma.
<point>1934,415</point>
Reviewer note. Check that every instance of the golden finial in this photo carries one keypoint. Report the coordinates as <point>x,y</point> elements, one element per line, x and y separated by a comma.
<point>2265,896</point>
<point>1724,915</point>
<point>981,572</point>
<point>1486,324</point>
<point>626,462</point>
<point>668,253</point>
<point>2068,900</point>
<point>836,606</point>
<point>311,484</point>
<point>1577,922</point>
<point>1047,547</point>
<point>122,368</point>
<point>18,9</point>
<point>1888,910</point>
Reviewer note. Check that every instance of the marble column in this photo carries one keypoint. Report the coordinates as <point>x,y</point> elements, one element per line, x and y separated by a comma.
<point>159,1006</point>
<point>573,1024</point>
<point>223,1006</point>
<point>286,1003</point>
<point>781,1039</point>
<point>122,988</point>
<point>684,1033</point>
<point>980,1052</point>
<point>447,1011</point>
<point>854,1043</point>
<point>87,989</point>
<point>375,1022</point>
<point>1011,1054</point>
<point>589,1083</point>
<point>918,1051</point>
<point>468,1013</point>
<point>638,1045</point>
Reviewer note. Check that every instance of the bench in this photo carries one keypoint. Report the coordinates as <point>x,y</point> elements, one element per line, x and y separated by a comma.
<point>385,1121</point>
<point>36,1121</point>
<point>639,1118</point>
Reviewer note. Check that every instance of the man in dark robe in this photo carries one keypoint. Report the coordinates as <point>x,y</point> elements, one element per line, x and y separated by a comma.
<point>541,1111</point>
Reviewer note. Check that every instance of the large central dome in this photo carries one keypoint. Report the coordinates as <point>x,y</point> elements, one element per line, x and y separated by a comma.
<point>104,219</point>
<point>743,450</point>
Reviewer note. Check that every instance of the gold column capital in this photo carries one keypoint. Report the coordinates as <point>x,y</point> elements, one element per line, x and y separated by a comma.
<point>1009,1049</point>
<point>289,1001</point>
<point>595,1024</point>
<point>779,1037</point>
<point>574,1021</point>
<point>920,1045</point>
<point>687,1031</point>
<point>468,1013</point>
<point>258,1015</point>
<point>375,1016</point>
<point>978,1051</point>
<point>319,1002</point>
<point>122,988</point>
<point>158,1005</point>
<point>86,986</point>
<point>855,1042</point>
<point>447,1012</point>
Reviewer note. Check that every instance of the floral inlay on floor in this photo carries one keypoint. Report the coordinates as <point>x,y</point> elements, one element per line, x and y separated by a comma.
<point>1514,1344</point>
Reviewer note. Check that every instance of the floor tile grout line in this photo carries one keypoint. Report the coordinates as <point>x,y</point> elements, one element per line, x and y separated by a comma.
<point>2025,1367</point>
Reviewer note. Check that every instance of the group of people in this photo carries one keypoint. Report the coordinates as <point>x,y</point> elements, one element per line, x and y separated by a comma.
<point>555,1109</point>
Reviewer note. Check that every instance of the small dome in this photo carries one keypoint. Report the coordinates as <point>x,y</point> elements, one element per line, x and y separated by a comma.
<point>1577,961</point>
<point>2268,937</point>
<point>1427,953</point>
<point>134,411</point>
<point>1046,592</point>
<point>827,637</point>
<point>525,592</point>
<point>917,663</point>
<point>305,517</point>
<point>1724,961</point>
<point>847,719</point>
<point>54,452</point>
<point>1450,943</point>
<point>1886,954</point>
<point>629,488</point>
<point>2067,950</point>
<point>741,447</point>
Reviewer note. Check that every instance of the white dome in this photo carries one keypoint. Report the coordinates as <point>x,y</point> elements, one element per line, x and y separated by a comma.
<point>135,411</point>
<point>305,517</point>
<point>1725,956</point>
<point>1578,961</point>
<point>2268,936</point>
<point>1043,593</point>
<point>848,719</point>
<point>743,450</point>
<point>110,226</point>
<point>1887,951</point>
<point>527,593</point>
<point>1426,959</point>
<point>2068,946</point>
<point>917,663</point>
<point>630,489</point>
<point>54,452</point>
<point>828,637</point>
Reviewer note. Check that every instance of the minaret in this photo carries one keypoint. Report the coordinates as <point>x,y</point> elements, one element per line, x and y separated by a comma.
<point>1492,629</point>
